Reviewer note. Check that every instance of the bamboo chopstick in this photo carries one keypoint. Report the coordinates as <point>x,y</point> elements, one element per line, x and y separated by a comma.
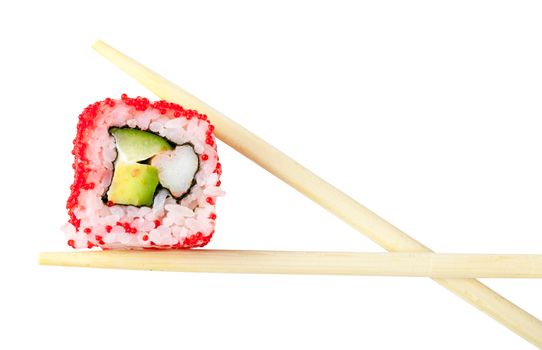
<point>307,263</point>
<point>329,197</point>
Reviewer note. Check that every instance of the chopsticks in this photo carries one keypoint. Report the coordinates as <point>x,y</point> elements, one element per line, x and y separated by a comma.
<point>329,197</point>
<point>306,263</point>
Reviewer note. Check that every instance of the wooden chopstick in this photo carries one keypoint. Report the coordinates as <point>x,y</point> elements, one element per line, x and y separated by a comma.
<point>307,263</point>
<point>329,197</point>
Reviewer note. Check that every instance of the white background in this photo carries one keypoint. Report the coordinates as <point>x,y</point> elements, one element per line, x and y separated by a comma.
<point>426,112</point>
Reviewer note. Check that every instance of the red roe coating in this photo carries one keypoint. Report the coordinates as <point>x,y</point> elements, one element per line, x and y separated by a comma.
<point>82,168</point>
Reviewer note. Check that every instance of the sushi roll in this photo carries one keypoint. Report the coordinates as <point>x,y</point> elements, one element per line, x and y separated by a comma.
<point>147,175</point>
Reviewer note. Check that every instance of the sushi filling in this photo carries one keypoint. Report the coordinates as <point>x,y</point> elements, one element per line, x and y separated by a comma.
<point>176,169</point>
<point>146,161</point>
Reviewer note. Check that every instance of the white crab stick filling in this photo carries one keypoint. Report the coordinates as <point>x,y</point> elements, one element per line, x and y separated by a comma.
<point>176,169</point>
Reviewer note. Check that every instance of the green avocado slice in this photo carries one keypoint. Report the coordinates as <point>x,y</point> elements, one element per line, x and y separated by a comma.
<point>135,145</point>
<point>133,184</point>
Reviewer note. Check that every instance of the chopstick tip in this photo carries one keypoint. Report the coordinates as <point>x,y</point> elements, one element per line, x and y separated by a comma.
<point>97,44</point>
<point>41,258</point>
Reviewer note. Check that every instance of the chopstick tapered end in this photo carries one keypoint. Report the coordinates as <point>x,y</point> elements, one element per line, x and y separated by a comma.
<point>44,258</point>
<point>99,44</point>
